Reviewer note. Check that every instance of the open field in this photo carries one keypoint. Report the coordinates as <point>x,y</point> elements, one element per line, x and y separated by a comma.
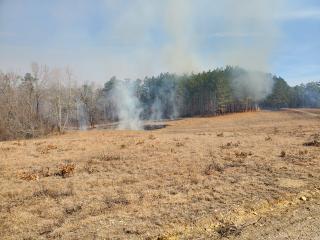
<point>241,176</point>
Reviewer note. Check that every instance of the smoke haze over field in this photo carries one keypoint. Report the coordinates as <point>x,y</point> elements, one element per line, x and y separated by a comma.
<point>247,30</point>
<point>135,38</point>
<point>248,26</point>
<point>201,57</point>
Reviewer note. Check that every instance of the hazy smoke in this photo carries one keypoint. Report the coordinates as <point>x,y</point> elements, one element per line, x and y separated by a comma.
<point>164,108</point>
<point>251,34</point>
<point>254,85</point>
<point>156,110</point>
<point>244,33</point>
<point>127,105</point>
<point>179,54</point>
<point>82,115</point>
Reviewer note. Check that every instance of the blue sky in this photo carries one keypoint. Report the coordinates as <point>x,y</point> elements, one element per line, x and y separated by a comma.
<point>134,38</point>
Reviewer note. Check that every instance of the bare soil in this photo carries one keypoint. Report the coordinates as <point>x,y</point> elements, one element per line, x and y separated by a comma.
<point>239,176</point>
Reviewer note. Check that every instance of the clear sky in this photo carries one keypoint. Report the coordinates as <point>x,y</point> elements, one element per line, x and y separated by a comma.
<point>135,38</point>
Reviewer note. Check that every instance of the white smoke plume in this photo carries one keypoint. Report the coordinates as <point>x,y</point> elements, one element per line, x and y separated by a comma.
<point>127,105</point>
<point>243,33</point>
<point>156,110</point>
<point>254,85</point>
<point>248,31</point>
<point>252,34</point>
<point>179,55</point>
<point>82,115</point>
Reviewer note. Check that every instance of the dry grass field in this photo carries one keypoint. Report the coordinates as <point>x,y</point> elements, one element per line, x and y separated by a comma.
<point>241,176</point>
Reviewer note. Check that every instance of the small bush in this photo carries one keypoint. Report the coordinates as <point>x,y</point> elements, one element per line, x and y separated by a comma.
<point>66,170</point>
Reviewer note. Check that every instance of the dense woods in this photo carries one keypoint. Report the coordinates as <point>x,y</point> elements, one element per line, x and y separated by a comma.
<point>46,100</point>
<point>282,96</point>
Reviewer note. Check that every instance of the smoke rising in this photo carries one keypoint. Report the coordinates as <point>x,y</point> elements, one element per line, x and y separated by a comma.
<point>245,33</point>
<point>241,32</point>
<point>82,116</point>
<point>162,96</point>
<point>127,105</point>
<point>180,52</point>
<point>252,84</point>
<point>255,33</point>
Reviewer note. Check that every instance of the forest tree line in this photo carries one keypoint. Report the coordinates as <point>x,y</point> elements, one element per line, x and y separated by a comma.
<point>45,100</point>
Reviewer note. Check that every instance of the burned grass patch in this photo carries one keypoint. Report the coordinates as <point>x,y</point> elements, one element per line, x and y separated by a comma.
<point>150,127</point>
<point>228,230</point>
<point>313,143</point>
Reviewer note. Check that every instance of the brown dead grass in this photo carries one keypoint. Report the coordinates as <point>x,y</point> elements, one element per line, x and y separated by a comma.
<point>196,177</point>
